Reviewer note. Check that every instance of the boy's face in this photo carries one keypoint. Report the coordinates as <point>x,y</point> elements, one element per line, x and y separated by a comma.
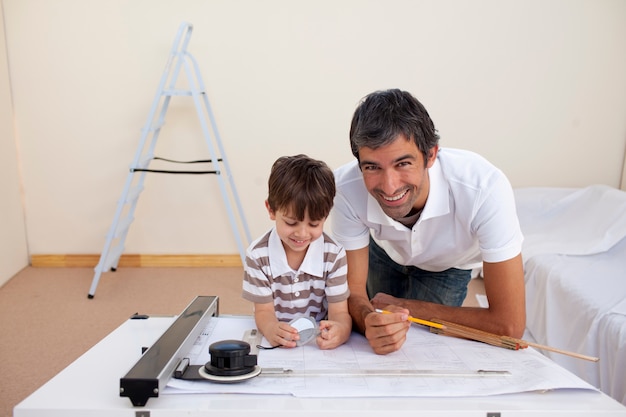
<point>296,235</point>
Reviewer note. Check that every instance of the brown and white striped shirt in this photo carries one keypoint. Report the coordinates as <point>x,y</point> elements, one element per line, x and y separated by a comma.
<point>321,279</point>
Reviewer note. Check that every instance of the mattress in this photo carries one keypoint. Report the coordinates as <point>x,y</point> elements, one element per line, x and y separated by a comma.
<point>575,270</point>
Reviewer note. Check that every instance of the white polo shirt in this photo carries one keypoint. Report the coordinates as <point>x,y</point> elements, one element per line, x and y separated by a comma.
<point>469,217</point>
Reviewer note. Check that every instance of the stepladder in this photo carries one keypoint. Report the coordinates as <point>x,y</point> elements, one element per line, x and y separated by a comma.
<point>181,69</point>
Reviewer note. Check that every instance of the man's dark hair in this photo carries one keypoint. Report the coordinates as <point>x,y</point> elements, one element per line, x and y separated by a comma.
<point>299,184</point>
<point>383,115</point>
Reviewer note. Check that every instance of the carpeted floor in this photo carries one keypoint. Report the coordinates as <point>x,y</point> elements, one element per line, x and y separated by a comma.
<point>47,321</point>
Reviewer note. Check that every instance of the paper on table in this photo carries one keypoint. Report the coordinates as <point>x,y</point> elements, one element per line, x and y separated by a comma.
<point>529,370</point>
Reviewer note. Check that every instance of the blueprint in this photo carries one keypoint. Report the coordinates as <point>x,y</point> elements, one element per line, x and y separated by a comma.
<point>428,365</point>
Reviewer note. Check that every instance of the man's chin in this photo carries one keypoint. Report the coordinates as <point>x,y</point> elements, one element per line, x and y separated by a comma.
<point>396,213</point>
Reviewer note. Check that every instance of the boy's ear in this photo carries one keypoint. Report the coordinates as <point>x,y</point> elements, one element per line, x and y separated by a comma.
<point>270,211</point>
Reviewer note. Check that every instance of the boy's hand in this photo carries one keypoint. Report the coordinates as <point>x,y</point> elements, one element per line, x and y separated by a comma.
<point>277,333</point>
<point>332,334</point>
<point>281,334</point>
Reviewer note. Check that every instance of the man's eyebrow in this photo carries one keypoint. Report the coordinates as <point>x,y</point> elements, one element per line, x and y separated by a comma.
<point>398,159</point>
<point>362,163</point>
<point>405,157</point>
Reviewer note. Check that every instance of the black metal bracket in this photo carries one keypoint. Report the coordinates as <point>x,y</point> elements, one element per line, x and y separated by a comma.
<point>157,365</point>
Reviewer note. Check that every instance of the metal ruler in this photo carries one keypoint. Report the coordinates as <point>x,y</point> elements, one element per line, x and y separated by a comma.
<point>446,373</point>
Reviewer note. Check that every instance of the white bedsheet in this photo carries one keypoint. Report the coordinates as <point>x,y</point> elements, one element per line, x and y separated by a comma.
<point>575,268</point>
<point>571,221</point>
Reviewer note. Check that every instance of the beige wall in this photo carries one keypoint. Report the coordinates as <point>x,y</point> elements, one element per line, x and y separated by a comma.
<point>623,183</point>
<point>13,250</point>
<point>537,86</point>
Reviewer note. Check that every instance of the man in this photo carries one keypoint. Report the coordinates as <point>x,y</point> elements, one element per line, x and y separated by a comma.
<point>416,219</point>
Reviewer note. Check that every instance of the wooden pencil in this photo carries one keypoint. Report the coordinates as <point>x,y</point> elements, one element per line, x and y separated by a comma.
<point>457,330</point>
<point>507,342</point>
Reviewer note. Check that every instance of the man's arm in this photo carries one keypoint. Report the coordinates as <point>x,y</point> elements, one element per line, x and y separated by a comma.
<point>385,332</point>
<point>504,287</point>
<point>506,292</point>
<point>358,303</point>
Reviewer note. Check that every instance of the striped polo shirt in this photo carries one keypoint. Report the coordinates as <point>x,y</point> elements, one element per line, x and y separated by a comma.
<point>321,278</point>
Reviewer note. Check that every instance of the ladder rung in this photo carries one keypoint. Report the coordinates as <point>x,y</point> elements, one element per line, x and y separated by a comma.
<point>154,128</point>
<point>112,256</point>
<point>123,226</point>
<point>133,194</point>
<point>143,163</point>
<point>177,92</point>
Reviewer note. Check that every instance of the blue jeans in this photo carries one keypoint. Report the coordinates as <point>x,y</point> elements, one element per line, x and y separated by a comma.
<point>447,287</point>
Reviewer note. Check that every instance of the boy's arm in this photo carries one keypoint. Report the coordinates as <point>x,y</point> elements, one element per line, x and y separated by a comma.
<point>277,333</point>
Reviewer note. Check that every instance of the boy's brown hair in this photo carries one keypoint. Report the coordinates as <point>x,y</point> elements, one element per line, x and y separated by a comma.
<point>299,184</point>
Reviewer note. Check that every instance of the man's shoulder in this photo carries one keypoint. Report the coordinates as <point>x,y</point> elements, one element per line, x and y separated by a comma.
<point>453,155</point>
<point>463,167</point>
<point>347,173</point>
<point>349,182</point>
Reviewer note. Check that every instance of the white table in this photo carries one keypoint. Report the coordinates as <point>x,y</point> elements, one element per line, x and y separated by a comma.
<point>89,387</point>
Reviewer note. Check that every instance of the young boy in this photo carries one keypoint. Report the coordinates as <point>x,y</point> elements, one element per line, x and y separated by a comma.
<point>295,269</point>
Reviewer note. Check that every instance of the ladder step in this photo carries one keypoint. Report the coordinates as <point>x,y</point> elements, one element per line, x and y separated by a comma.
<point>154,128</point>
<point>112,257</point>
<point>143,163</point>
<point>123,226</point>
<point>133,194</point>
<point>177,92</point>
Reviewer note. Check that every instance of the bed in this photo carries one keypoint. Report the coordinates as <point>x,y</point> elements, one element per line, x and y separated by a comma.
<point>575,270</point>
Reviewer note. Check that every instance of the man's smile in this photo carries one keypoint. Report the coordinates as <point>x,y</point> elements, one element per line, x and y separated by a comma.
<point>396,197</point>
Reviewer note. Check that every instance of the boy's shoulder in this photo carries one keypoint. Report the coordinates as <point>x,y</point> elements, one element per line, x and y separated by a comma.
<point>261,242</point>
<point>330,244</point>
<point>329,240</point>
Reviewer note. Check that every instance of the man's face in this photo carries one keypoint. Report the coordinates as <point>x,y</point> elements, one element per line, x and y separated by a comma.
<point>395,175</point>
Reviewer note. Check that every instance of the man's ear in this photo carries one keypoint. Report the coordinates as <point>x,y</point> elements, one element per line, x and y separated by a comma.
<point>270,211</point>
<point>432,156</point>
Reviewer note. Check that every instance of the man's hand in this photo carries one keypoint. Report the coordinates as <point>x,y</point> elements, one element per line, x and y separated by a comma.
<point>386,333</point>
<point>382,300</point>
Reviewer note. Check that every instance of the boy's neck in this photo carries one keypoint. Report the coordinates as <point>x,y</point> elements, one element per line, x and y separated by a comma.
<point>295,259</point>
